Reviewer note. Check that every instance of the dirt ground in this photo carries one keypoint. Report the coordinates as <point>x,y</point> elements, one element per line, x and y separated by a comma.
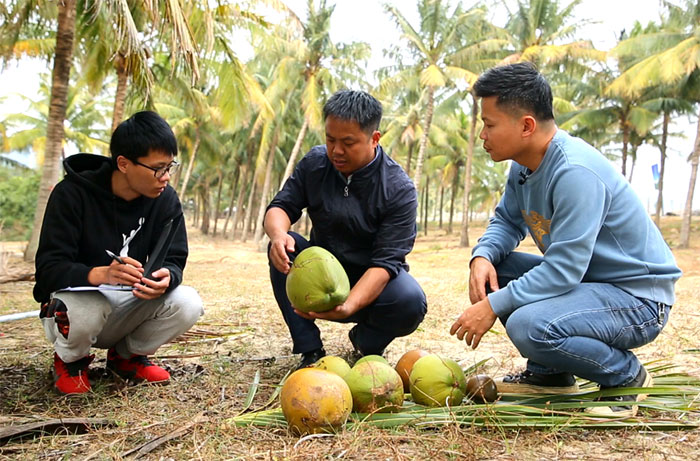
<point>243,333</point>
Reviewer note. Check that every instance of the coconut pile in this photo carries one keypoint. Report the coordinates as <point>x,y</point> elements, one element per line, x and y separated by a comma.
<point>321,397</point>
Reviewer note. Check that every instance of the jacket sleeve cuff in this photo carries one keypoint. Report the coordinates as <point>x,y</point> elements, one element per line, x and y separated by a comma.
<point>392,269</point>
<point>502,302</point>
<point>481,252</point>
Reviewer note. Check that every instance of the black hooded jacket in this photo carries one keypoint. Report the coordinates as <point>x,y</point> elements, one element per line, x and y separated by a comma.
<point>84,218</point>
<point>365,220</point>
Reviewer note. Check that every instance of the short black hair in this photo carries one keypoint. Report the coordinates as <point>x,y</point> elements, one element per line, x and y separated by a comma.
<point>356,106</point>
<point>517,86</point>
<point>141,133</point>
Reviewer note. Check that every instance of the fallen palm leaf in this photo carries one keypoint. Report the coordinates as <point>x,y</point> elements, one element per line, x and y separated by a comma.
<point>51,426</point>
<point>675,393</point>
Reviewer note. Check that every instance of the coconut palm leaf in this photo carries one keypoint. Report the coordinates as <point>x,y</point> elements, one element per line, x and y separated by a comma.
<point>673,404</point>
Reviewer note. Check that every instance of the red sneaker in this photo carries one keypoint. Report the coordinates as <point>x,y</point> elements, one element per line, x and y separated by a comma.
<point>71,378</point>
<point>137,367</point>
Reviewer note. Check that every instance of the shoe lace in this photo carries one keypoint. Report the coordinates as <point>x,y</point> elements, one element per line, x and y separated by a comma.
<point>141,360</point>
<point>79,366</point>
<point>519,376</point>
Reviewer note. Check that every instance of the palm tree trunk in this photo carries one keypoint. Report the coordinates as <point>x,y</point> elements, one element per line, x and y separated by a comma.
<point>60,80</point>
<point>295,152</point>
<point>660,198</point>
<point>241,195</point>
<point>424,139</point>
<point>688,210</point>
<point>411,146</point>
<point>249,208</point>
<point>426,192</point>
<point>625,142</point>
<point>190,166</point>
<point>205,207</point>
<point>218,200</point>
<point>235,181</point>
<point>464,237</point>
<point>122,85</point>
<point>266,185</point>
<point>442,201</point>
<point>453,194</point>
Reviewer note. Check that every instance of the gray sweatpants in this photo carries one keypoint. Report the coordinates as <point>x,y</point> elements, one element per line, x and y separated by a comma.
<point>118,319</point>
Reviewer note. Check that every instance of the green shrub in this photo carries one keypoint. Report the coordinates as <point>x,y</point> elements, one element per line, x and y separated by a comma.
<point>18,194</point>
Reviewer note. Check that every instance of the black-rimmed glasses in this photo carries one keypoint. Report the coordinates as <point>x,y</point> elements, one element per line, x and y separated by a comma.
<point>160,172</point>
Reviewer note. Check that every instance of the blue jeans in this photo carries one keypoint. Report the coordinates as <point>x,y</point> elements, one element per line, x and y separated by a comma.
<point>588,331</point>
<point>397,311</point>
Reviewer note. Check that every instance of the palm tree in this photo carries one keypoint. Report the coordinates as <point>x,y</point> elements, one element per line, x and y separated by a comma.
<point>84,124</point>
<point>672,59</point>
<point>320,65</point>
<point>432,46</point>
<point>21,17</point>
<point>16,20</point>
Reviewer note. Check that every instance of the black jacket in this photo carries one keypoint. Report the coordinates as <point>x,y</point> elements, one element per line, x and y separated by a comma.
<point>367,220</point>
<point>84,218</point>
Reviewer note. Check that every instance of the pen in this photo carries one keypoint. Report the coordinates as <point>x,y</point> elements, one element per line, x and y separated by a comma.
<point>115,257</point>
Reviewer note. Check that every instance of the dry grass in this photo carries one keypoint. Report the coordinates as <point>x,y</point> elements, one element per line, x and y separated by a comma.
<point>243,332</point>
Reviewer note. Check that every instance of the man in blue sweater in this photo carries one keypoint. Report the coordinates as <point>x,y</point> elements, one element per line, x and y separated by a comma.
<point>605,282</point>
<point>362,206</point>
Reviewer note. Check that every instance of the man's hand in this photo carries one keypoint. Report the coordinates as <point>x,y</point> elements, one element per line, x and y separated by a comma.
<point>476,320</point>
<point>280,247</point>
<point>116,273</point>
<point>339,312</point>
<point>481,272</point>
<point>152,289</point>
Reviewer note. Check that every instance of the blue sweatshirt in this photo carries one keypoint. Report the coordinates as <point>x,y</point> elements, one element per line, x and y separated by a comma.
<point>587,221</point>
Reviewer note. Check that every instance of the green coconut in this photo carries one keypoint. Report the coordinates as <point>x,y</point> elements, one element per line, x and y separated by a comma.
<point>375,387</point>
<point>437,381</point>
<point>372,358</point>
<point>334,364</point>
<point>317,281</point>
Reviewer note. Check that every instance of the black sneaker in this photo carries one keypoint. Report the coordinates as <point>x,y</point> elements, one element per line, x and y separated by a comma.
<point>357,354</point>
<point>527,382</point>
<point>623,405</point>
<point>311,357</point>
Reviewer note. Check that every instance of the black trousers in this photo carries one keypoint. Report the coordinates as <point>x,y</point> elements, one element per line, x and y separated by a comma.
<point>397,311</point>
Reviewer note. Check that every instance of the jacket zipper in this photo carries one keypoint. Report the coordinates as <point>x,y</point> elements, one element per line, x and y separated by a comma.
<point>347,184</point>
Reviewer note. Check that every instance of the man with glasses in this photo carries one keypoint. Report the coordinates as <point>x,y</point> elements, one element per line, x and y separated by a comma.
<point>110,259</point>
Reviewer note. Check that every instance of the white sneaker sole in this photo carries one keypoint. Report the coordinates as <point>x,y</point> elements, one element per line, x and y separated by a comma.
<point>515,388</point>
<point>631,413</point>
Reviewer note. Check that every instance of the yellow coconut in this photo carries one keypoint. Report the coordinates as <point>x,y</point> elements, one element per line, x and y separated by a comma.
<point>334,364</point>
<point>315,400</point>
<point>372,358</point>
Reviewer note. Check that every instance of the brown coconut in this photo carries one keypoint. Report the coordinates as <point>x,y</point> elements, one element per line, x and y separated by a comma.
<point>405,365</point>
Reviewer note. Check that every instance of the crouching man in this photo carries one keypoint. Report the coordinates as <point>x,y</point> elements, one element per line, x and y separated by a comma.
<point>604,283</point>
<point>362,207</point>
<point>107,222</point>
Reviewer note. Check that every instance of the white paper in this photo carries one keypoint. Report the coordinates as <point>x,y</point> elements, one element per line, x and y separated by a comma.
<point>103,287</point>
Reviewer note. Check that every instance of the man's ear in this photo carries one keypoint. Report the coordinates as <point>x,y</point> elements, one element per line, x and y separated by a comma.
<point>529,125</point>
<point>375,138</point>
<point>122,163</point>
